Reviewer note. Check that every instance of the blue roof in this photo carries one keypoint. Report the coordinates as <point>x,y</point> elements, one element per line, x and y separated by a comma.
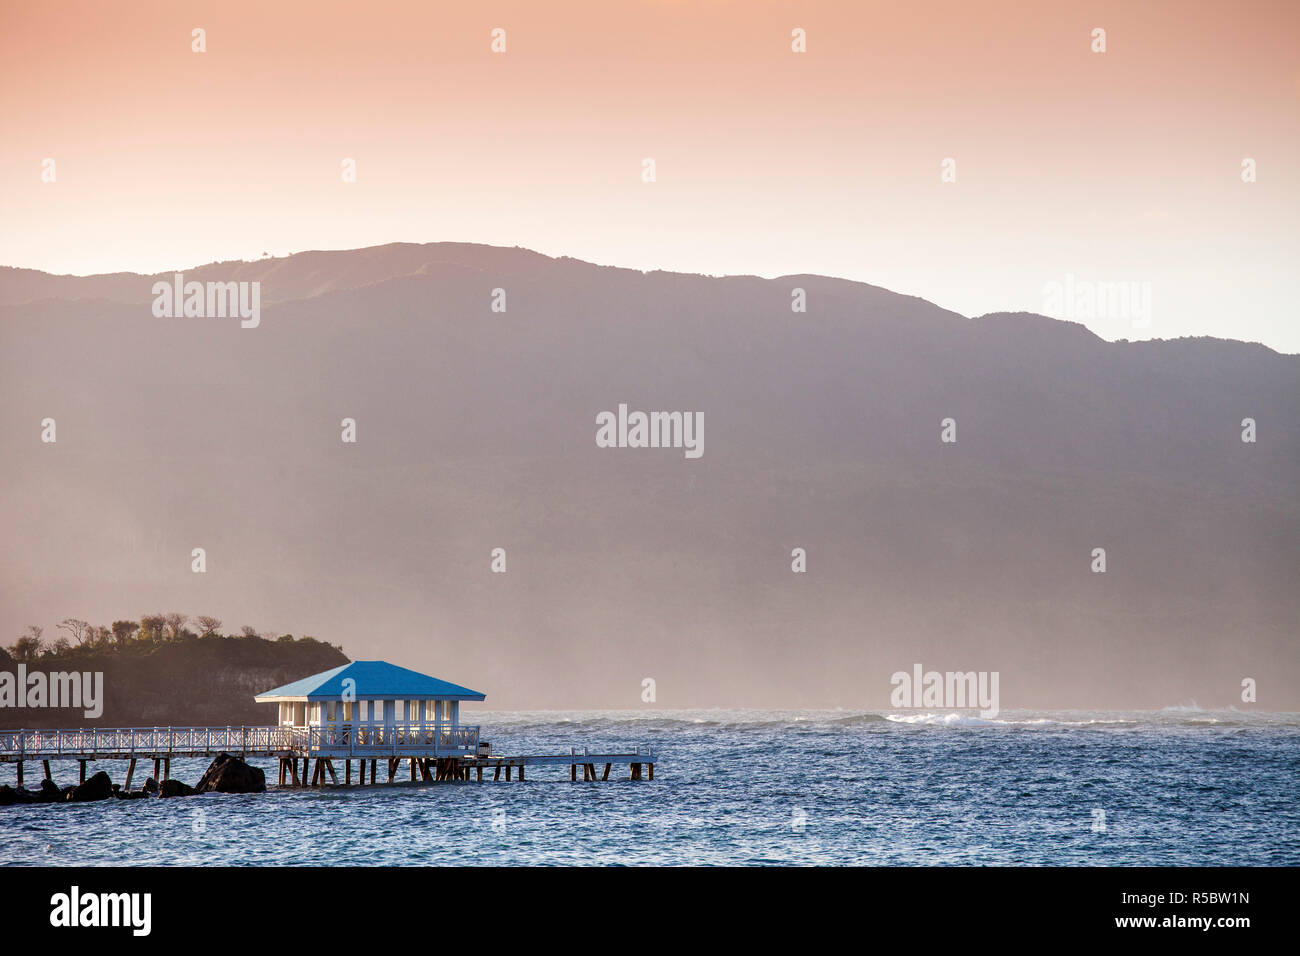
<point>374,679</point>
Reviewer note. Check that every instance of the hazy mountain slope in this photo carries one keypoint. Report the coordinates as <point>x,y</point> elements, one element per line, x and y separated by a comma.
<point>477,430</point>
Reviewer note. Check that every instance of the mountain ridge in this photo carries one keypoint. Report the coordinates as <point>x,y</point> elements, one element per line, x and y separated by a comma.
<point>17,283</point>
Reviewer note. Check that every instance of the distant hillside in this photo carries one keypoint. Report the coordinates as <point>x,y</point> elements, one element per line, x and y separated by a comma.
<point>209,681</point>
<point>476,430</point>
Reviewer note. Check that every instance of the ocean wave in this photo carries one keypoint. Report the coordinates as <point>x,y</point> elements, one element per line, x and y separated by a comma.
<point>850,720</point>
<point>636,725</point>
<point>942,720</point>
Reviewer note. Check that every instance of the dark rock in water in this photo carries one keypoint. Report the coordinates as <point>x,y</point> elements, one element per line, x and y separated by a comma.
<point>228,774</point>
<point>150,785</point>
<point>11,795</point>
<point>98,787</point>
<point>49,792</point>
<point>174,788</point>
<point>131,794</point>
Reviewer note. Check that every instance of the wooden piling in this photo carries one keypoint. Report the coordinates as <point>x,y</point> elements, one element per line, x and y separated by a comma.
<point>126,787</point>
<point>167,768</point>
<point>329,765</point>
<point>46,764</point>
<point>573,772</point>
<point>652,770</point>
<point>605,776</point>
<point>157,768</point>
<point>20,773</point>
<point>372,771</point>
<point>83,770</point>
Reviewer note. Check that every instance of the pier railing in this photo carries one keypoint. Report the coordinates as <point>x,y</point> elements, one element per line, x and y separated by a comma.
<point>398,738</point>
<point>327,741</point>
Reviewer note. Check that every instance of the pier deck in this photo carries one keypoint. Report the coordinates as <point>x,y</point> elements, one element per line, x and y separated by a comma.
<point>434,752</point>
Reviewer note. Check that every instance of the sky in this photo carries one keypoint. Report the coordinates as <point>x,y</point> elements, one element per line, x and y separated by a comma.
<point>1071,169</point>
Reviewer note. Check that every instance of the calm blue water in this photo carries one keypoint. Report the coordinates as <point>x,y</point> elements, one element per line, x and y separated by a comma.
<point>747,787</point>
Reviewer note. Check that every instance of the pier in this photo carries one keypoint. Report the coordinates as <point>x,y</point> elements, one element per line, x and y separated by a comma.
<point>371,713</point>
<point>307,757</point>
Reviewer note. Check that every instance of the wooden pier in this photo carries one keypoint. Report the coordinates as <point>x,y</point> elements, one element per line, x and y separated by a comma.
<point>373,713</point>
<point>307,756</point>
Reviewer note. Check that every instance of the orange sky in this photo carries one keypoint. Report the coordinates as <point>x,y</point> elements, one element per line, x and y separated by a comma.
<point>1121,166</point>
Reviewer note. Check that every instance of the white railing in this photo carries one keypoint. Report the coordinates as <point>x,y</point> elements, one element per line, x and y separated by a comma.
<point>129,740</point>
<point>363,739</point>
<point>340,740</point>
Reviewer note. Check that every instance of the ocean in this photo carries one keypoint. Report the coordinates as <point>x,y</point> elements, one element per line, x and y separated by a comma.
<point>1181,786</point>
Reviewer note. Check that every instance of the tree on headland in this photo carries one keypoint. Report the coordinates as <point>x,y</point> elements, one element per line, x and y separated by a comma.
<point>28,647</point>
<point>151,628</point>
<point>208,625</point>
<point>76,627</point>
<point>131,638</point>
<point>175,623</point>
<point>123,631</point>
